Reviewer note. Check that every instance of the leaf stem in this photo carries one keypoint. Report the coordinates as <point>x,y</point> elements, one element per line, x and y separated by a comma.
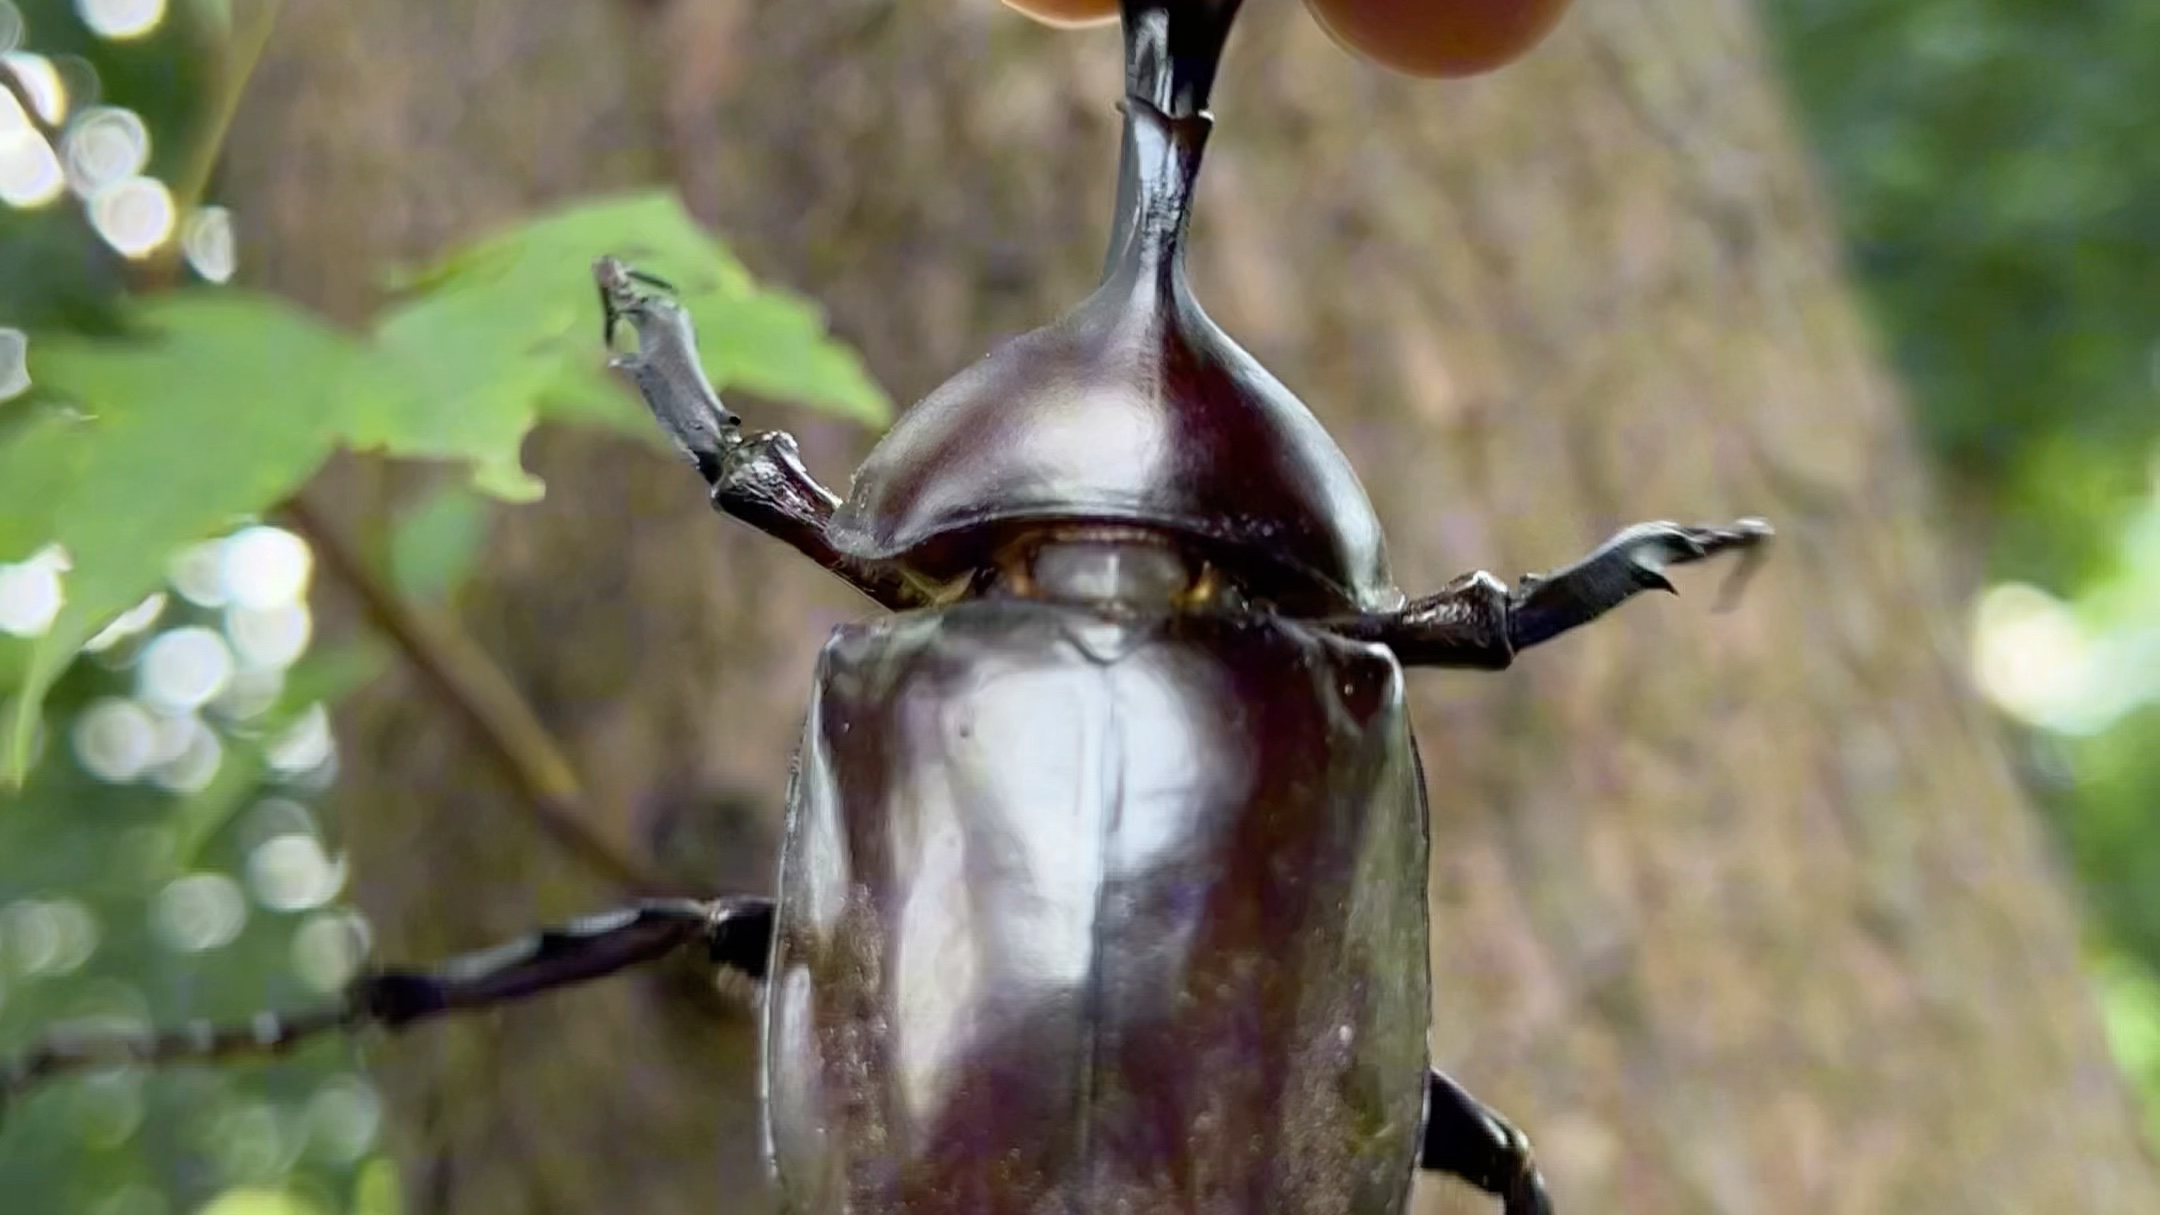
<point>472,685</point>
<point>244,55</point>
<point>14,85</point>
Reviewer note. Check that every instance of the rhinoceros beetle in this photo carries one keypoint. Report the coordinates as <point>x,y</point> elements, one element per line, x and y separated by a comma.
<point>1104,880</point>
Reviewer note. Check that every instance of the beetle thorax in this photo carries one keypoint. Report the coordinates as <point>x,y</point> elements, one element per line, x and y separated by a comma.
<point>1133,410</point>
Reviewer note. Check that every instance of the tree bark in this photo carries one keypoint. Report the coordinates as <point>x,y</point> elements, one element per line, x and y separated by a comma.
<point>1734,913</point>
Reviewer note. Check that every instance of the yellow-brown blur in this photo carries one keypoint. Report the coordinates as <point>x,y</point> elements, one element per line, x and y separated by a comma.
<point>1068,14</point>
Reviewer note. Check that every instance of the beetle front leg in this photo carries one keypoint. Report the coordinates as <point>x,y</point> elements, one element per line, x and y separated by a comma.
<point>756,477</point>
<point>1477,622</point>
<point>736,934</point>
<point>1465,1138</point>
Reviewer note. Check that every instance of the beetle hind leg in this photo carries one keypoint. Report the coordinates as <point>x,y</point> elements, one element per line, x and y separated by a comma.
<point>735,934</point>
<point>1466,1139</point>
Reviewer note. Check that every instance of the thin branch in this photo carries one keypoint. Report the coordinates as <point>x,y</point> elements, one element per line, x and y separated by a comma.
<point>472,685</point>
<point>246,54</point>
<point>21,92</point>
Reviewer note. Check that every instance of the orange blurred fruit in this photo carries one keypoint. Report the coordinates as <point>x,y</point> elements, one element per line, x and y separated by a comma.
<point>1438,37</point>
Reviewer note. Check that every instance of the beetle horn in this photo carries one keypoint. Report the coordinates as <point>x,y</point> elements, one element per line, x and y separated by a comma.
<point>1172,50</point>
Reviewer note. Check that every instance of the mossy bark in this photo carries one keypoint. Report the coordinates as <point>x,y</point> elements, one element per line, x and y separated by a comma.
<point>1735,913</point>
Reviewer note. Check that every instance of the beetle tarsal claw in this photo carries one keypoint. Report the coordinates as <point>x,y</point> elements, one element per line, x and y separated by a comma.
<point>1650,548</point>
<point>665,365</point>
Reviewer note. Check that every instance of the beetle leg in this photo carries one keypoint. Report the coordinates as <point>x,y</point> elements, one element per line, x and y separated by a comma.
<point>1465,1138</point>
<point>757,477</point>
<point>1477,622</point>
<point>736,934</point>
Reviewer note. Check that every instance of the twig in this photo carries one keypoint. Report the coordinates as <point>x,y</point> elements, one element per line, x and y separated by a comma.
<point>21,92</point>
<point>247,51</point>
<point>480,693</point>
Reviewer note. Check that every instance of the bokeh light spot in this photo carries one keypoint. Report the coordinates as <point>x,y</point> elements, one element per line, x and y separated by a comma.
<point>121,19</point>
<point>47,937</point>
<point>193,763</point>
<point>252,692</point>
<point>269,639</point>
<point>115,739</point>
<point>171,734</point>
<point>207,240</point>
<point>273,817</point>
<point>41,82</point>
<point>128,623</point>
<point>30,592</point>
<point>182,669</point>
<point>305,746</point>
<point>104,145</point>
<point>199,912</point>
<point>196,572</point>
<point>134,216</point>
<point>14,356</point>
<point>2033,658</point>
<point>343,1118</point>
<point>107,1108</point>
<point>30,933</point>
<point>30,173</point>
<point>264,567</point>
<point>290,873</point>
<point>328,949</point>
<point>76,935</point>
<point>252,1143</point>
<point>11,26</point>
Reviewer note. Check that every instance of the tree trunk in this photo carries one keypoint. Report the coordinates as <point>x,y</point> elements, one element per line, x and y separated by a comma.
<point>1734,913</point>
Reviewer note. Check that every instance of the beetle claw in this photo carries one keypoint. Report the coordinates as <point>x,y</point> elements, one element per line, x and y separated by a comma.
<point>620,300</point>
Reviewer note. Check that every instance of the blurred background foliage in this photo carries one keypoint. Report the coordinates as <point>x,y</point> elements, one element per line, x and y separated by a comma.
<point>1998,180</point>
<point>1997,176</point>
<point>166,725</point>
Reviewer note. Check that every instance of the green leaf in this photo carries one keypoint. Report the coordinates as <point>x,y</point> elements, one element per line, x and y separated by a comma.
<point>477,386</point>
<point>509,328</point>
<point>220,404</point>
<point>40,450</point>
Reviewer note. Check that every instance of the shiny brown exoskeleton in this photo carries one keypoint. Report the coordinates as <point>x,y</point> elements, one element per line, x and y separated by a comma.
<point>1104,882</point>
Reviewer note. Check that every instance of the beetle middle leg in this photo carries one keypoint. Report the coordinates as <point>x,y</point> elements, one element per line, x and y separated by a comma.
<point>735,932</point>
<point>1465,1138</point>
<point>1476,621</point>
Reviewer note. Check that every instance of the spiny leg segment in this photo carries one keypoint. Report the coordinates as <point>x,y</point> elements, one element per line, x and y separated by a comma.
<point>735,932</point>
<point>757,477</point>
<point>1476,621</point>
